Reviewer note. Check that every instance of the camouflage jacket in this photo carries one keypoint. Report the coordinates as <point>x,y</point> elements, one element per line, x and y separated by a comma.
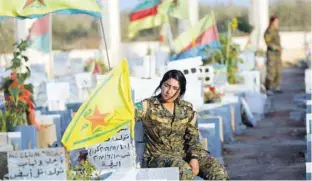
<point>166,133</point>
<point>272,39</point>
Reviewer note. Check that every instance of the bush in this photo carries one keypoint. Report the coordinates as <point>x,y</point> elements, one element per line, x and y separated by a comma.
<point>243,24</point>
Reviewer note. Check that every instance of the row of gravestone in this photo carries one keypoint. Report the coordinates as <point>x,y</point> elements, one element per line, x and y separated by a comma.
<point>309,140</point>
<point>303,112</point>
<point>57,92</point>
<point>211,129</point>
<point>223,110</point>
<point>210,132</point>
<point>308,118</point>
<point>33,163</point>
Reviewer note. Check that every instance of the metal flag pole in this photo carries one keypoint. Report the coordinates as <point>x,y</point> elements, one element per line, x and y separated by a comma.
<point>51,57</point>
<point>104,39</point>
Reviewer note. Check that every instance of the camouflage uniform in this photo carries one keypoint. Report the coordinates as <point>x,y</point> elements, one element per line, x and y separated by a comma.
<point>173,139</point>
<point>274,63</point>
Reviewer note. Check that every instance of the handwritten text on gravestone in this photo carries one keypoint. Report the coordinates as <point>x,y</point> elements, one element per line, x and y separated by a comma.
<point>117,152</point>
<point>37,164</point>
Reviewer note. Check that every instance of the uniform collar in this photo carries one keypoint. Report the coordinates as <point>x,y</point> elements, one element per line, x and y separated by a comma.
<point>156,100</point>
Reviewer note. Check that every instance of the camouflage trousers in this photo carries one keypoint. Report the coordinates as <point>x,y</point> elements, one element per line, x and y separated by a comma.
<point>209,167</point>
<point>274,70</point>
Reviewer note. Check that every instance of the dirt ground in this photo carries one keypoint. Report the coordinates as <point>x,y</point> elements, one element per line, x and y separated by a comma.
<point>275,148</point>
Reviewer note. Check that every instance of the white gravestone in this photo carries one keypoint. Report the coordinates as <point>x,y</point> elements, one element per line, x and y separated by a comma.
<point>10,141</point>
<point>169,173</point>
<point>149,64</point>
<point>308,158</point>
<point>249,61</point>
<point>85,82</point>
<point>308,81</point>
<point>143,88</point>
<point>211,133</point>
<point>37,164</point>
<point>40,94</point>
<point>309,123</point>
<point>252,80</point>
<point>115,153</point>
<point>77,66</point>
<point>246,108</point>
<point>58,94</point>
<point>203,72</point>
<point>256,102</point>
<point>185,63</point>
<point>194,92</point>
<point>236,107</point>
<point>220,75</point>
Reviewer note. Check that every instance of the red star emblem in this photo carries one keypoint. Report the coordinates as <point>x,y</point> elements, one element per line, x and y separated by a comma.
<point>97,119</point>
<point>29,2</point>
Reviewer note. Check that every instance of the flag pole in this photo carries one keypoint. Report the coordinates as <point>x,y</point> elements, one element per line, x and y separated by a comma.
<point>51,60</point>
<point>104,39</point>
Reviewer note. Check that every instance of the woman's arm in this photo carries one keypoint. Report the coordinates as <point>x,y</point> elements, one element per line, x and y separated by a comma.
<point>268,37</point>
<point>140,109</point>
<point>194,147</point>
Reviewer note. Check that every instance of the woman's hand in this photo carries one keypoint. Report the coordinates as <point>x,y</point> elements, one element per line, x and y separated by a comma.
<point>194,164</point>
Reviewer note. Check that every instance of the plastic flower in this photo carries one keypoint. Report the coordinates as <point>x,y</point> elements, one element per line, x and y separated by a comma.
<point>234,24</point>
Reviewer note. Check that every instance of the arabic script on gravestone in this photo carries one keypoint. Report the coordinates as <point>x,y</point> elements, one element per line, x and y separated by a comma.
<point>39,164</point>
<point>117,152</point>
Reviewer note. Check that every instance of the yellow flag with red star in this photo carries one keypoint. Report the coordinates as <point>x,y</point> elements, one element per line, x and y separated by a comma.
<point>107,110</point>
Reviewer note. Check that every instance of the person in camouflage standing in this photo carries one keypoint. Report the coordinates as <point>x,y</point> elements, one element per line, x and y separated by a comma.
<point>171,135</point>
<point>274,50</point>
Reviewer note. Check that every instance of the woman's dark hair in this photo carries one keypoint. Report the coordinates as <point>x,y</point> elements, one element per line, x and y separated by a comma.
<point>272,19</point>
<point>177,75</point>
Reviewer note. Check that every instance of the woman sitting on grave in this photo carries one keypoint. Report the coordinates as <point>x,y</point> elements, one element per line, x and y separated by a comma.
<point>172,138</point>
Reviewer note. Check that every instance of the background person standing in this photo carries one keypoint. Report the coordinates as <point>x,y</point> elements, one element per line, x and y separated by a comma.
<point>274,50</point>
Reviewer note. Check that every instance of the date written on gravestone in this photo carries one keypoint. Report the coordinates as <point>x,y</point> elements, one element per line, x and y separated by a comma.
<point>114,153</point>
<point>37,164</point>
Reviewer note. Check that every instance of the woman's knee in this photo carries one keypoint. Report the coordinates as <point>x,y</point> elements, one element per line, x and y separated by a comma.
<point>186,172</point>
<point>211,169</point>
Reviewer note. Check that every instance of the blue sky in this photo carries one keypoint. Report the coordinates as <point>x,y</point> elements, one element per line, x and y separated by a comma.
<point>130,4</point>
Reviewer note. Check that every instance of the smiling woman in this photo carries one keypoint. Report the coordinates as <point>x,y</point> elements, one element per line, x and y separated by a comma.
<point>171,135</point>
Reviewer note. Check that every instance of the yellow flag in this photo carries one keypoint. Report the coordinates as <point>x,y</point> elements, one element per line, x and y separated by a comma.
<point>107,110</point>
<point>38,8</point>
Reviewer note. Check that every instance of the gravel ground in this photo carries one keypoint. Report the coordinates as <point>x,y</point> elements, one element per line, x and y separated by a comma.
<point>275,148</point>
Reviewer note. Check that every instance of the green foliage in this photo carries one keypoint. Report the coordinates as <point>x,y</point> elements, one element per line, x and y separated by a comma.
<point>15,91</point>
<point>3,127</point>
<point>228,54</point>
<point>84,171</point>
<point>294,15</point>
<point>6,35</point>
<point>243,24</point>
<point>14,119</point>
